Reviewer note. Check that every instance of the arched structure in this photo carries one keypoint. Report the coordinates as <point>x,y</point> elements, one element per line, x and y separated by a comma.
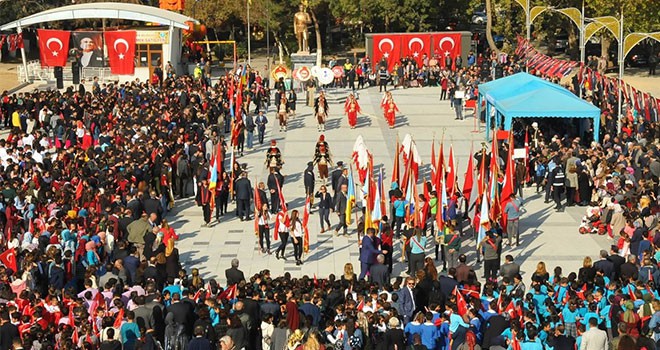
<point>108,10</point>
<point>171,39</point>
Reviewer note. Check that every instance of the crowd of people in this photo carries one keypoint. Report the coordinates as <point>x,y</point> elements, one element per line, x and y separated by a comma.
<point>90,261</point>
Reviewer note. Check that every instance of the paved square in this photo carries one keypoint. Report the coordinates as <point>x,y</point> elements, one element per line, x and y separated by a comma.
<point>546,235</point>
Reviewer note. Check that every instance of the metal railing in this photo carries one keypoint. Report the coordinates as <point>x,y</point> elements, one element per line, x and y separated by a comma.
<point>35,72</point>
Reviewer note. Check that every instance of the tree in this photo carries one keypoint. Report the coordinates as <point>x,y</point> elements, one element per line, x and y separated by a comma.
<point>489,27</point>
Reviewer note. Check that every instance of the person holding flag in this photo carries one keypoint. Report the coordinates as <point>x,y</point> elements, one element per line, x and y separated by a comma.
<point>368,252</point>
<point>513,212</point>
<point>264,232</point>
<point>296,229</point>
<point>203,200</point>
<point>282,230</point>
<point>492,248</point>
<point>341,208</point>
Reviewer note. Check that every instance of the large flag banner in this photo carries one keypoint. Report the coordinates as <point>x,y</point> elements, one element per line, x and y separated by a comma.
<point>387,48</point>
<point>446,44</point>
<point>305,222</point>
<point>121,51</point>
<point>350,196</point>
<point>53,47</point>
<point>377,212</point>
<point>415,46</point>
<point>90,48</point>
<point>468,182</point>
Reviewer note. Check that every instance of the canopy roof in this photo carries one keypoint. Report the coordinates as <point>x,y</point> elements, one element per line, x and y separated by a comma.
<point>525,96</point>
<point>112,10</point>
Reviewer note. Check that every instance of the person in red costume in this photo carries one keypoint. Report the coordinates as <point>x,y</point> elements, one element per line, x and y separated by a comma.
<point>352,108</point>
<point>389,109</point>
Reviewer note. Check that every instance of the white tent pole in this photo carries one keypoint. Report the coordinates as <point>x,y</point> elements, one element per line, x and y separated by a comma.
<point>19,30</point>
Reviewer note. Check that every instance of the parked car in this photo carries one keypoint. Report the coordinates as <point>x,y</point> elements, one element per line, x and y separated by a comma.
<point>561,42</point>
<point>479,17</point>
<point>637,57</point>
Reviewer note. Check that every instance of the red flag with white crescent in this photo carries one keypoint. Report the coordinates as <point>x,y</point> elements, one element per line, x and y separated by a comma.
<point>53,47</point>
<point>387,48</point>
<point>121,51</point>
<point>415,46</point>
<point>446,44</point>
<point>8,258</point>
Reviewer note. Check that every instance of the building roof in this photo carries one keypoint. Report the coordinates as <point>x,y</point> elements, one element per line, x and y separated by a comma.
<point>113,10</point>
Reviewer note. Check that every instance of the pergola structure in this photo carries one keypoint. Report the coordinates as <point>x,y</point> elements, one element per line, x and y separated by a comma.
<point>104,10</point>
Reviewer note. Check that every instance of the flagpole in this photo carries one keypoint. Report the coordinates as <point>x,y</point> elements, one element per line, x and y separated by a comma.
<point>248,31</point>
<point>355,193</point>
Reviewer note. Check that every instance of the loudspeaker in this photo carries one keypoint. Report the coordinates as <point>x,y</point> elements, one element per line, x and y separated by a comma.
<point>75,72</point>
<point>59,77</point>
<point>499,72</point>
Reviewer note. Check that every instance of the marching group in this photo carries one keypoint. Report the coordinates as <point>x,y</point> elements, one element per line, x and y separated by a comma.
<point>90,261</point>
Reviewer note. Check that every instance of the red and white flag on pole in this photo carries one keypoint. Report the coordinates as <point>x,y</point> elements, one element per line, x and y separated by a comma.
<point>8,258</point>
<point>53,47</point>
<point>121,51</point>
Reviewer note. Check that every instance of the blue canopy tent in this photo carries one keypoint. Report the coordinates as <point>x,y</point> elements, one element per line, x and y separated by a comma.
<point>525,96</point>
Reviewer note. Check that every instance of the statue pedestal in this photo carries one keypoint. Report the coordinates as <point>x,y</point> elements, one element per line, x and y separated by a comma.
<point>303,59</point>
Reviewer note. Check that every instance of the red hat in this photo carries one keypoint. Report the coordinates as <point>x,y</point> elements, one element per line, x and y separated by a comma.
<point>321,138</point>
<point>273,142</point>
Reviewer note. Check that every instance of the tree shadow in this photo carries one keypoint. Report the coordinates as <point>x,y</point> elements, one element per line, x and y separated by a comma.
<point>363,121</point>
<point>333,123</point>
<point>296,123</point>
<point>401,120</point>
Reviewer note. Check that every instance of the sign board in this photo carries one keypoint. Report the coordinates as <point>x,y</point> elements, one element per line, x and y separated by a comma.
<point>518,153</point>
<point>280,71</point>
<point>326,76</point>
<point>303,73</point>
<point>152,37</point>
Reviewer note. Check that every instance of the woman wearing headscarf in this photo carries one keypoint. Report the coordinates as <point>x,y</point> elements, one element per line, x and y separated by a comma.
<point>618,222</point>
<point>631,319</point>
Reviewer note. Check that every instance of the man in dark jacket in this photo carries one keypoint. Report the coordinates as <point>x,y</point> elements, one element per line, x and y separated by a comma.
<point>605,265</point>
<point>263,196</point>
<point>334,177</point>
<point>616,259</point>
<point>152,206</point>
<point>199,342</point>
<point>379,273</point>
<point>629,269</point>
<point>341,201</point>
<point>56,276</point>
<point>182,312</point>
<point>233,274</point>
<point>135,206</point>
<point>275,183</point>
<point>243,195</point>
<point>309,179</point>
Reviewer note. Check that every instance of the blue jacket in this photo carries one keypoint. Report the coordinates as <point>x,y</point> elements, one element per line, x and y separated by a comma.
<point>310,309</point>
<point>430,334</point>
<point>368,251</point>
<point>406,301</point>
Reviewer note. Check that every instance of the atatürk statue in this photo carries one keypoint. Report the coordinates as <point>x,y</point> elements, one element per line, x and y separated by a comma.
<point>300,22</point>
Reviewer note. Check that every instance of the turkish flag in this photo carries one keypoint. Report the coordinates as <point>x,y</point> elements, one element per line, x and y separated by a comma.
<point>121,51</point>
<point>386,47</point>
<point>8,258</point>
<point>53,46</point>
<point>415,46</point>
<point>446,44</point>
<point>11,40</point>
